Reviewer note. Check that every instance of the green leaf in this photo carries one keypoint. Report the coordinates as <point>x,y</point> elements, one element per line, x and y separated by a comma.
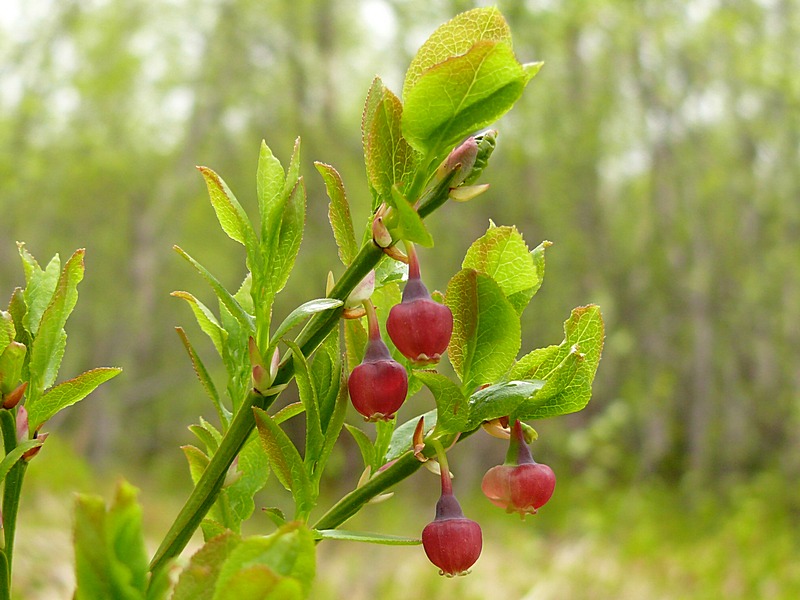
<point>461,95</point>
<point>302,312</point>
<point>7,330</point>
<point>455,38</point>
<point>339,213</point>
<point>230,214</point>
<point>451,406</point>
<point>486,330</point>
<point>334,425</point>
<point>252,466</point>
<point>198,580</point>
<point>40,285</point>
<point>364,444</point>
<point>355,341</point>
<point>224,296</point>
<point>326,369</point>
<point>503,399</point>
<point>110,556</point>
<point>51,339</point>
<point>206,437</point>
<point>286,243</point>
<point>281,565</point>
<point>503,254</point>
<point>18,310</point>
<point>370,538</point>
<point>288,411</point>
<point>198,461</point>
<point>308,396</point>
<point>285,462</point>
<point>270,180</point>
<point>403,436</point>
<point>66,394</point>
<point>12,361</point>
<point>12,457</point>
<point>389,159</point>
<point>407,225</point>
<point>205,319</point>
<point>568,368</point>
<point>204,377</point>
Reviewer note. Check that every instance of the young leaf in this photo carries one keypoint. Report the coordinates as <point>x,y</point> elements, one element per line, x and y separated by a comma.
<point>286,242</point>
<point>486,330</point>
<point>50,340</point>
<point>455,38</point>
<point>285,462</point>
<point>12,457</point>
<point>408,225</point>
<point>7,330</point>
<point>230,214</point>
<point>252,466</point>
<point>326,371</point>
<point>355,340</point>
<point>364,444</point>
<point>503,255</point>
<point>334,425</point>
<point>302,312</point>
<point>66,394</point>
<point>224,296</point>
<point>403,436</point>
<point>110,557</point>
<point>205,319</point>
<point>389,159</point>
<point>40,285</point>
<point>259,567</point>
<point>571,365</point>
<point>339,213</point>
<point>270,180</point>
<point>12,362</point>
<point>370,538</point>
<point>198,579</point>
<point>204,377</point>
<point>308,396</point>
<point>461,95</point>
<point>451,406</point>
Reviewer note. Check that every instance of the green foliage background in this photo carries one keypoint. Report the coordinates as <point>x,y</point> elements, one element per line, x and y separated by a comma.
<point>658,148</point>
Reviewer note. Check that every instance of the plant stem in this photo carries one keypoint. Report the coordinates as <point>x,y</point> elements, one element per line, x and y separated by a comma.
<point>11,493</point>
<point>208,487</point>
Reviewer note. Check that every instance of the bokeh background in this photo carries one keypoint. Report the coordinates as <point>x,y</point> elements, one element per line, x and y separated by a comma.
<point>659,149</point>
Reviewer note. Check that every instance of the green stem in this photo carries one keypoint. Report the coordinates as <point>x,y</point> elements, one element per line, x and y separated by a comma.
<point>208,487</point>
<point>11,493</point>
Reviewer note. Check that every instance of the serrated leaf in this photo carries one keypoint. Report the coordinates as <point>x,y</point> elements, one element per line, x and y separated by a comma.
<point>281,565</point>
<point>198,579</point>
<point>7,330</point>
<point>48,345</point>
<point>370,538</point>
<point>270,180</point>
<point>286,242</point>
<point>12,361</point>
<point>210,441</point>
<point>389,159</point>
<point>230,214</point>
<point>285,462</point>
<point>205,319</point>
<point>253,468</point>
<point>66,394</point>
<point>452,407</point>
<point>461,95</point>
<point>326,369</point>
<point>408,225</point>
<point>455,38</point>
<point>486,330</point>
<point>308,396</point>
<point>334,424</point>
<point>204,377</point>
<point>403,436</point>
<point>40,285</point>
<point>302,312</point>
<point>364,444</point>
<point>10,459</point>
<point>570,366</point>
<point>339,213</point>
<point>288,411</point>
<point>224,296</point>
<point>503,254</point>
<point>198,461</point>
<point>501,400</point>
<point>110,558</point>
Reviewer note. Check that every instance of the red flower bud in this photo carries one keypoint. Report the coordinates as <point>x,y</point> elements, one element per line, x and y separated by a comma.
<point>378,386</point>
<point>521,484</point>
<point>420,328</point>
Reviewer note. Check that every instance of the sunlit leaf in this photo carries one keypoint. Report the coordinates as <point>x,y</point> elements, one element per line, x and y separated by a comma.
<point>339,213</point>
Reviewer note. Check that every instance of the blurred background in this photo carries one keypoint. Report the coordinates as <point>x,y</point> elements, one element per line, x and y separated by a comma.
<point>658,149</point>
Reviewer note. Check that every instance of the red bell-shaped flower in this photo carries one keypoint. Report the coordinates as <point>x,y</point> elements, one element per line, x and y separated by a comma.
<point>451,541</point>
<point>379,385</point>
<point>521,484</point>
<point>420,328</point>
